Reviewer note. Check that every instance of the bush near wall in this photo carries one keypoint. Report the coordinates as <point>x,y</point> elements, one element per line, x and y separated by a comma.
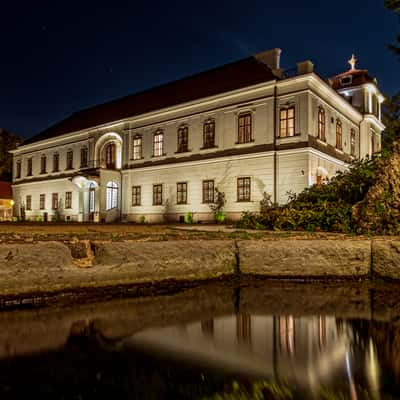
<point>328,207</point>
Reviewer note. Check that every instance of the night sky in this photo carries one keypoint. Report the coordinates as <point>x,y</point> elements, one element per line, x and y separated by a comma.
<point>60,57</point>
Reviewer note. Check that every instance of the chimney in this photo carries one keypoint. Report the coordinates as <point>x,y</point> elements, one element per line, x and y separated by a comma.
<point>272,59</point>
<point>305,67</point>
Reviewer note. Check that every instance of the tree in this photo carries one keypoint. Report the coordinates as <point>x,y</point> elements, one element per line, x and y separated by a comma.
<point>391,107</point>
<point>394,5</point>
<point>8,141</point>
<point>391,119</point>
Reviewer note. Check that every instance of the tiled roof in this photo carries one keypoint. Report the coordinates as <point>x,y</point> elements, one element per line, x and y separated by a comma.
<point>359,76</point>
<point>236,75</point>
<point>5,190</point>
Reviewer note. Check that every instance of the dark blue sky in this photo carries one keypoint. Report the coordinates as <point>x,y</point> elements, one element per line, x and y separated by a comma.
<point>60,57</point>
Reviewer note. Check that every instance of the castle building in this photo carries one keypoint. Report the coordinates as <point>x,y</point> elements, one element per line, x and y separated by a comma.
<point>246,128</point>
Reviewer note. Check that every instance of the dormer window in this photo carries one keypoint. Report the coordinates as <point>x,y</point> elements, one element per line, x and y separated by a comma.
<point>346,80</point>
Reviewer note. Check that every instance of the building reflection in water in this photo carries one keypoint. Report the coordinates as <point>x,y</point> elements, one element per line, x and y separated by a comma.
<point>309,351</point>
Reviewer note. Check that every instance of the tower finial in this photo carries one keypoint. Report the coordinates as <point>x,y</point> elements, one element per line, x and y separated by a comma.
<point>352,61</point>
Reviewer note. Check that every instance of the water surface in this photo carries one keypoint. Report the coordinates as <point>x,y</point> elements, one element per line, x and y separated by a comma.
<point>262,340</point>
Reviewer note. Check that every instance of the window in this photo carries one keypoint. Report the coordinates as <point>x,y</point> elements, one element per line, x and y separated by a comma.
<point>84,157</point>
<point>158,144</point>
<point>373,144</point>
<point>28,202</point>
<point>56,162</point>
<point>321,124</point>
<point>29,167</point>
<point>339,134</point>
<point>70,159</point>
<point>244,128</point>
<point>346,80</point>
<point>181,193</point>
<point>42,202</point>
<point>286,122</point>
<point>137,148</point>
<point>43,165</point>
<point>111,153</point>
<point>353,142</point>
<point>183,139</point>
<point>111,195</point>
<point>54,201</point>
<point>243,189</point>
<point>92,189</point>
<point>136,195</point>
<point>18,169</point>
<point>209,134</point>
<point>68,199</point>
<point>157,195</point>
<point>208,191</point>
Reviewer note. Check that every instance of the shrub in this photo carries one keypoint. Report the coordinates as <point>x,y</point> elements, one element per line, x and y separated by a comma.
<point>326,207</point>
<point>189,218</point>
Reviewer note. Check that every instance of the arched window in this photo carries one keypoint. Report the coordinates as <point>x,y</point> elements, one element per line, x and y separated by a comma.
<point>339,135</point>
<point>287,122</point>
<point>112,195</point>
<point>321,124</point>
<point>111,155</point>
<point>84,157</point>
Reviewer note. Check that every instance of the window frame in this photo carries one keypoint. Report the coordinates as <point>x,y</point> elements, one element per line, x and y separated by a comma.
<point>29,166</point>
<point>183,139</point>
<point>157,194</point>
<point>84,157</point>
<point>28,202</point>
<point>69,160</point>
<point>321,124</point>
<point>112,195</point>
<point>56,165</point>
<point>54,201</point>
<point>352,142</point>
<point>246,136</point>
<point>243,183</point>
<point>68,200</point>
<point>43,164</point>
<point>339,135</point>
<point>209,134</point>
<point>206,190</point>
<point>137,148</point>
<point>181,193</point>
<point>158,145</point>
<point>18,168</point>
<point>42,201</point>
<point>136,194</point>
<point>284,122</point>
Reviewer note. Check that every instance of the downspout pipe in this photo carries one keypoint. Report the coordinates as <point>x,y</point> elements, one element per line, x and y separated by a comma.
<point>274,146</point>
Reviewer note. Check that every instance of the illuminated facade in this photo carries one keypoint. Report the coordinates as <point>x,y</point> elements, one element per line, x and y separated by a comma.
<point>245,128</point>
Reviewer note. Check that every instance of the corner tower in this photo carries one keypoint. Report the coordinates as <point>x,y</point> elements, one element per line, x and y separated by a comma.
<point>361,90</point>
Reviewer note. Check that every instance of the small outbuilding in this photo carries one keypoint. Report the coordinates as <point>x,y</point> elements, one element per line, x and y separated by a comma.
<point>6,201</point>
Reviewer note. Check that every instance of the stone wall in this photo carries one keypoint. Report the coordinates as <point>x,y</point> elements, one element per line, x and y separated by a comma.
<point>53,267</point>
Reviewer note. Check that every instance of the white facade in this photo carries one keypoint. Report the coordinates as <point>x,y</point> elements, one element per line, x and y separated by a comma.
<point>248,151</point>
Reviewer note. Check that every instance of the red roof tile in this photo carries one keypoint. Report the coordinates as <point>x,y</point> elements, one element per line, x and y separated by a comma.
<point>237,75</point>
<point>5,190</point>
